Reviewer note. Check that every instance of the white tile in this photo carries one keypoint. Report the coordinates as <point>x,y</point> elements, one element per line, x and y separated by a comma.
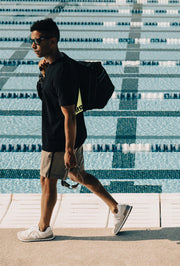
<point>82,211</point>
<point>24,211</point>
<point>145,212</point>
<point>170,210</point>
<point>5,200</point>
<point>88,211</point>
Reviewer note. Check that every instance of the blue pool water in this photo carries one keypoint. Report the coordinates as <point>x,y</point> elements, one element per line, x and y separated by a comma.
<point>155,37</point>
<point>17,185</point>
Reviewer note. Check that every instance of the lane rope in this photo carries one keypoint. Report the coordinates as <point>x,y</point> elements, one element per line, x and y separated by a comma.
<point>123,63</point>
<point>104,1</point>
<point>105,23</point>
<point>167,41</point>
<point>116,95</point>
<point>123,148</point>
<point>60,9</point>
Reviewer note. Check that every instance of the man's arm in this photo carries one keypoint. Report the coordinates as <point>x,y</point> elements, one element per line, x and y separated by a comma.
<point>70,135</point>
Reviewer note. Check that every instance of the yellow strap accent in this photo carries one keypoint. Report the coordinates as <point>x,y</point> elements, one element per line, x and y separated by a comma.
<point>79,106</point>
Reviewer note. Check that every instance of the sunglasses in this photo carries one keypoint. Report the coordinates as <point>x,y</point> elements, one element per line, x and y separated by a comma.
<point>37,41</point>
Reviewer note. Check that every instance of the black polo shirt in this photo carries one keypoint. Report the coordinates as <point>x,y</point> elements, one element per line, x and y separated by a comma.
<point>59,89</point>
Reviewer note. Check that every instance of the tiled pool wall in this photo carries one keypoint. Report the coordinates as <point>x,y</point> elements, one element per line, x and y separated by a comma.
<point>139,44</point>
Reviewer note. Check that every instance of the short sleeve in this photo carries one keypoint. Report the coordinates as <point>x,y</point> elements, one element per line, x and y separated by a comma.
<point>66,85</point>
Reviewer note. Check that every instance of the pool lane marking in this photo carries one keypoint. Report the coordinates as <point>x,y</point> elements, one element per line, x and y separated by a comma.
<point>3,82</point>
<point>127,126</point>
<point>130,114</point>
<point>101,174</point>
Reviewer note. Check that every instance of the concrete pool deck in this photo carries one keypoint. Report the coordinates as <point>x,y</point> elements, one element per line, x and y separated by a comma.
<point>82,225</point>
<point>142,247</point>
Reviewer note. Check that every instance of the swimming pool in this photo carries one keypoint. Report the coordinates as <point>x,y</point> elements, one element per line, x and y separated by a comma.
<point>139,47</point>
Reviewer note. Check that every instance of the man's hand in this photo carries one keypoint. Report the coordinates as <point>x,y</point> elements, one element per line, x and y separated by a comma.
<point>43,64</point>
<point>70,159</point>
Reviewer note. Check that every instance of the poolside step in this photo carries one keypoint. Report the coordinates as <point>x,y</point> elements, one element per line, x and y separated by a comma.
<point>80,211</point>
<point>88,211</point>
<point>170,210</point>
<point>5,201</point>
<point>24,211</point>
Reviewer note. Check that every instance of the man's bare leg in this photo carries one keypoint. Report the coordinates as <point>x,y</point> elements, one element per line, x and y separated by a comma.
<point>48,201</point>
<point>93,184</point>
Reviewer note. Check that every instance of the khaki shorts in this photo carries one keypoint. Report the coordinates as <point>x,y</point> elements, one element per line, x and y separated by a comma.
<point>52,164</point>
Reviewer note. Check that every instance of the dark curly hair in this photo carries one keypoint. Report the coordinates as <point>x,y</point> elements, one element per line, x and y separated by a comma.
<point>47,27</point>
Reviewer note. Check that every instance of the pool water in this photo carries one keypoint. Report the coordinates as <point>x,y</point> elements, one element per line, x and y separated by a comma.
<point>139,47</point>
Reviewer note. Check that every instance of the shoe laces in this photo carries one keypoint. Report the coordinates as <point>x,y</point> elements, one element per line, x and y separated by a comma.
<point>34,227</point>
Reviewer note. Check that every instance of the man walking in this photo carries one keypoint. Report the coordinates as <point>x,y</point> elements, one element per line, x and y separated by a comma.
<point>63,133</point>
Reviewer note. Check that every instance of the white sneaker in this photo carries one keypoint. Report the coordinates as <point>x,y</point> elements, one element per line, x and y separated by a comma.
<point>120,217</point>
<point>33,234</point>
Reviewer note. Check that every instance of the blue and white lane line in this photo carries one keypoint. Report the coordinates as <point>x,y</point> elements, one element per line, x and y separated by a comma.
<point>103,24</point>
